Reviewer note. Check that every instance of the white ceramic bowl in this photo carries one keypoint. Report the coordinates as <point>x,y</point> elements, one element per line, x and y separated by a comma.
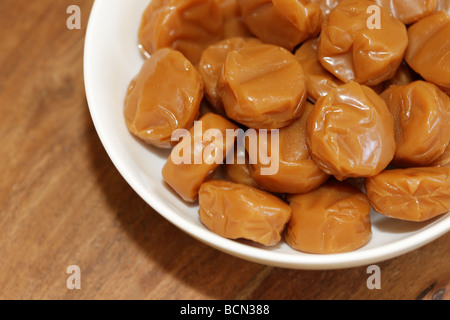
<point>111,60</point>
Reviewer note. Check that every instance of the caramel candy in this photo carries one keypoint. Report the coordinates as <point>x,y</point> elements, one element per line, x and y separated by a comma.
<point>422,116</point>
<point>444,159</point>
<point>429,43</point>
<point>297,172</point>
<point>353,52</point>
<point>326,6</point>
<point>211,64</point>
<point>351,132</point>
<point>198,155</point>
<point>163,97</point>
<point>240,173</point>
<point>237,211</point>
<point>403,76</point>
<point>262,86</point>
<point>443,5</point>
<point>285,23</point>
<point>239,170</point>
<point>334,218</point>
<point>318,80</point>
<point>233,24</point>
<point>413,194</point>
<point>185,25</point>
<point>408,11</point>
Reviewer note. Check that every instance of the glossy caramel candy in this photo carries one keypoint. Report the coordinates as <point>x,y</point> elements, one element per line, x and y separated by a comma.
<point>352,51</point>
<point>291,169</point>
<point>211,64</point>
<point>239,170</point>
<point>240,173</point>
<point>412,194</point>
<point>350,132</point>
<point>443,5</point>
<point>422,117</point>
<point>233,24</point>
<point>318,80</point>
<point>262,86</point>
<point>429,44</point>
<point>409,11</point>
<point>197,156</point>
<point>334,218</point>
<point>188,26</point>
<point>444,159</point>
<point>285,23</point>
<point>237,211</point>
<point>326,6</point>
<point>164,96</point>
<point>403,76</point>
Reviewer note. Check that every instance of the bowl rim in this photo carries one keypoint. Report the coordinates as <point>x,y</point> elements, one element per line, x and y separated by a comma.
<point>232,247</point>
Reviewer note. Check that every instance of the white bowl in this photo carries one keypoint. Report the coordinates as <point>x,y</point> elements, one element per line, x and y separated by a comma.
<point>111,60</point>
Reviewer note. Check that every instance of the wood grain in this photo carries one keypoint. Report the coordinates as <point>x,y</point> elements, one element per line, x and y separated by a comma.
<point>62,202</point>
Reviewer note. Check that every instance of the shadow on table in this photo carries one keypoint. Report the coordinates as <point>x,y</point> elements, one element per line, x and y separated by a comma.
<point>195,266</point>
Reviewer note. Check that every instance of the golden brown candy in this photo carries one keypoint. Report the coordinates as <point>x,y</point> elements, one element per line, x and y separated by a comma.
<point>163,97</point>
<point>331,219</point>
<point>211,64</point>
<point>318,80</point>
<point>422,116</point>
<point>351,132</point>
<point>352,51</point>
<point>233,24</point>
<point>443,5</point>
<point>296,171</point>
<point>262,86</point>
<point>429,44</point>
<point>240,173</point>
<point>198,155</point>
<point>409,11</point>
<point>237,211</point>
<point>413,194</point>
<point>403,76</point>
<point>185,25</point>
<point>239,170</point>
<point>326,6</point>
<point>444,159</point>
<point>285,23</point>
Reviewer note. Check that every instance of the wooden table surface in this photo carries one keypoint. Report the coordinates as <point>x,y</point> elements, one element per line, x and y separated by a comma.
<point>62,202</point>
